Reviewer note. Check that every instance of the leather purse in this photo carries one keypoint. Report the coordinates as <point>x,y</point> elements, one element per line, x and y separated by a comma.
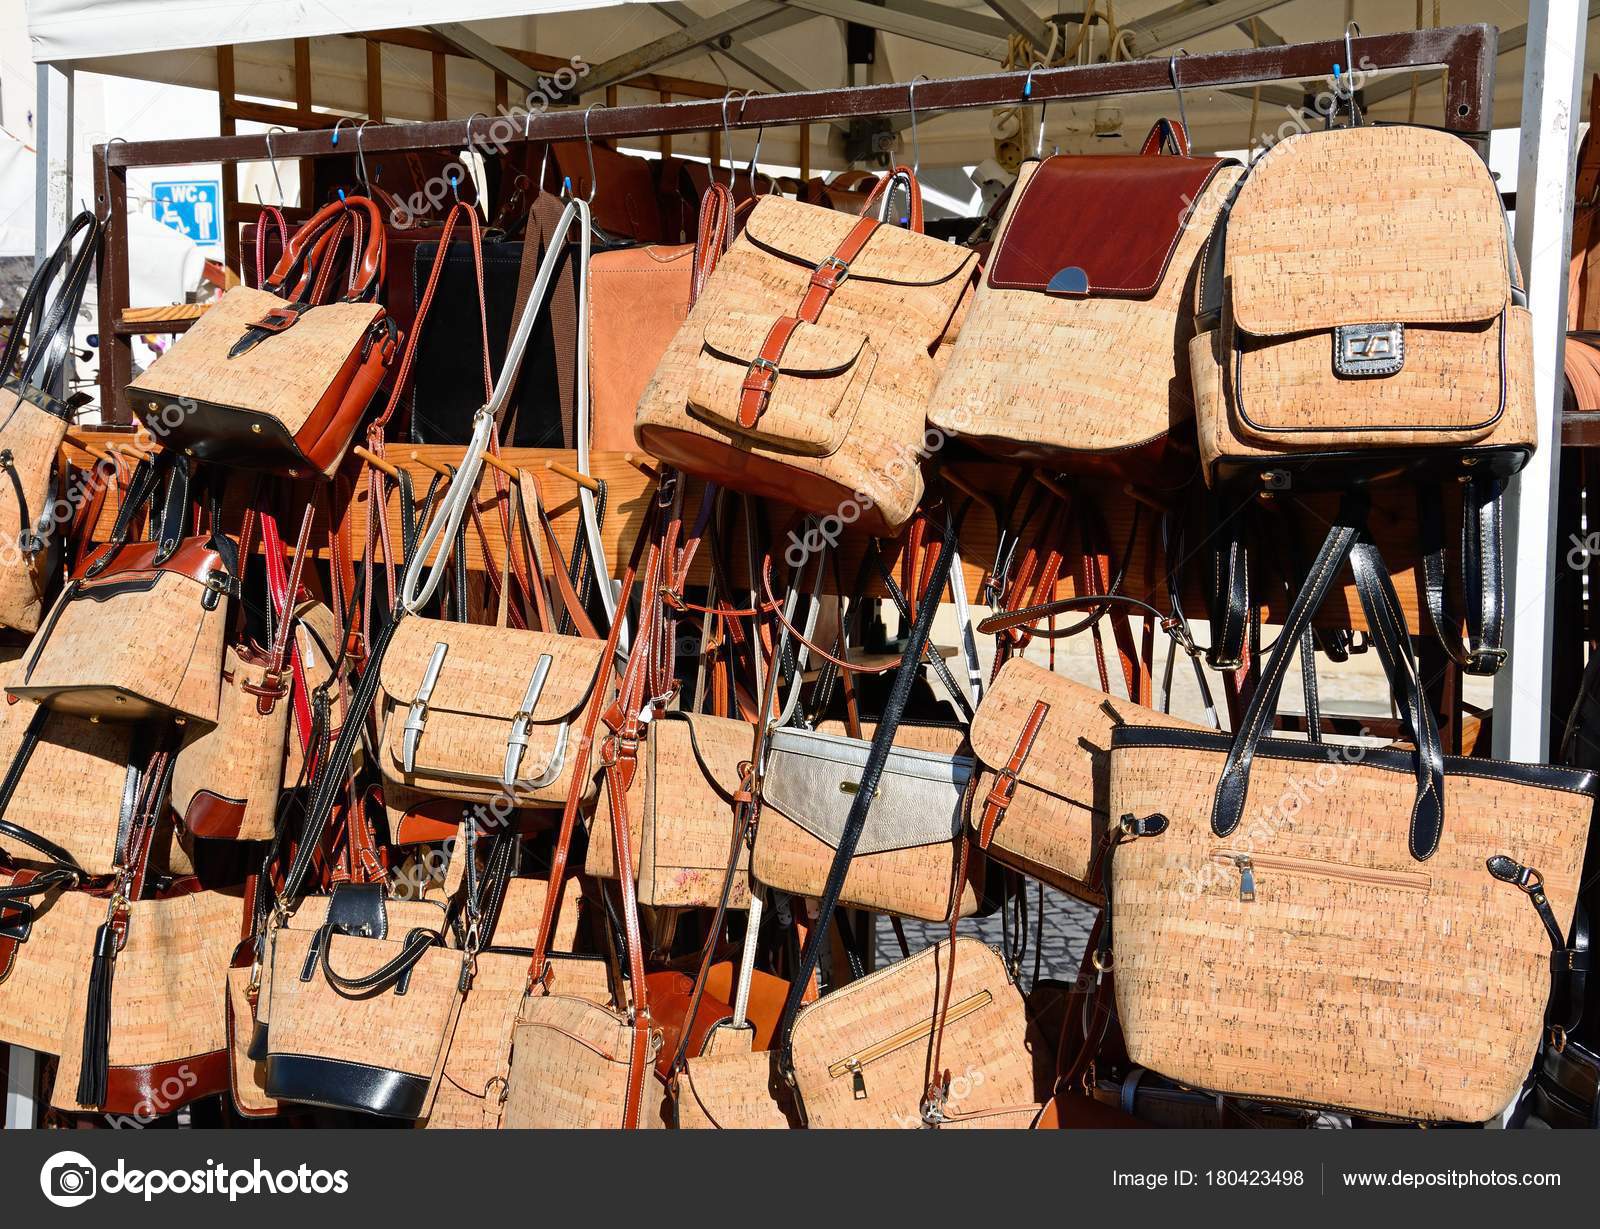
<point>33,423</point>
<point>804,370</point>
<point>1074,348</point>
<point>1362,962</point>
<point>140,631</point>
<point>278,378</point>
<point>680,808</point>
<point>638,300</point>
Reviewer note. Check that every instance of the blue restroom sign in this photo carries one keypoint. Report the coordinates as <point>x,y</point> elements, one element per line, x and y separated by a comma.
<point>192,207</point>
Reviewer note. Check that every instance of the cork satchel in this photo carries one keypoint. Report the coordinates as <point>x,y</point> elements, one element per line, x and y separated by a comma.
<point>804,370</point>
<point>1074,348</point>
<point>1378,930</point>
<point>278,378</point>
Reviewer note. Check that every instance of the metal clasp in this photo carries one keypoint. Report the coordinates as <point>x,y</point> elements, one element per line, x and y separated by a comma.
<point>1369,349</point>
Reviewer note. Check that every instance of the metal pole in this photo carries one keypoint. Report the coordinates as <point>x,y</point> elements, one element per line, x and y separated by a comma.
<point>21,1080</point>
<point>1551,97</point>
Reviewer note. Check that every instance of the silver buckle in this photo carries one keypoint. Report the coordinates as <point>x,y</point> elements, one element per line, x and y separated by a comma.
<point>521,727</point>
<point>417,717</point>
<point>1369,349</point>
<point>842,266</point>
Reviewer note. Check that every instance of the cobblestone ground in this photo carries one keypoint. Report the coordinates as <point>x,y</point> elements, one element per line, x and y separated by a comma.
<point>1066,929</point>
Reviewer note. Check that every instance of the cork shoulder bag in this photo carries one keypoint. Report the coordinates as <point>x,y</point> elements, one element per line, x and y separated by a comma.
<point>1399,329</point>
<point>1370,929</point>
<point>140,632</point>
<point>1074,349</point>
<point>804,370</point>
<point>33,423</point>
<point>680,813</point>
<point>279,378</point>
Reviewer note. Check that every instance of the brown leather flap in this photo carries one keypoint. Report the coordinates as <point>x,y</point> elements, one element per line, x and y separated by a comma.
<point>1115,219</point>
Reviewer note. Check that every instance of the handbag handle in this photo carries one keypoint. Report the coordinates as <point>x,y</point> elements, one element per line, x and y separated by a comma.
<point>881,197</point>
<point>882,743</point>
<point>52,340</point>
<point>1164,135</point>
<point>1346,541</point>
<point>367,264</point>
<point>421,581</point>
<point>418,943</point>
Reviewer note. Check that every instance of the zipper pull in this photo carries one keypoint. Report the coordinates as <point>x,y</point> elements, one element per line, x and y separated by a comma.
<point>858,1081</point>
<point>1247,877</point>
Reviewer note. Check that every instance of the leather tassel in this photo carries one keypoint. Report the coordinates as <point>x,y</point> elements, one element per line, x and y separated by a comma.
<point>93,1071</point>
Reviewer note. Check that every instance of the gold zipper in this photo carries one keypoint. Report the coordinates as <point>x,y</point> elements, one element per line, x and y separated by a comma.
<point>1247,864</point>
<point>853,1064</point>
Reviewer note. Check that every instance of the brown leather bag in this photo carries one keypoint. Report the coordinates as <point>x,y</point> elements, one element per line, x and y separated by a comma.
<point>638,299</point>
<point>277,378</point>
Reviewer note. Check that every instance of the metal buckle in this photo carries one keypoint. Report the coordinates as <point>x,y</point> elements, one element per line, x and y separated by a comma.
<point>1369,349</point>
<point>522,723</point>
<point>417,717</point>
<point>764,364</point>
<point>841,266</point>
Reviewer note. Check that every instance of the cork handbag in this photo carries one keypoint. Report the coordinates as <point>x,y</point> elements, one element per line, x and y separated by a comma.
<point>227,778</point>
<point>116,974</point>
<point>139,633</point>
<point>1398,336</point>
<point>680,808</point>
<point>33,423</point>
<point>804,370</point>
<point>1074,348</point>
<point>1042,743</point>
<point>1377,928</point>
<point>278,378</point>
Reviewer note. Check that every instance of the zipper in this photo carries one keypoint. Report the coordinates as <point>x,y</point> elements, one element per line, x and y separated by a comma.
<point>1247,864</point>
<point>852,1064</point>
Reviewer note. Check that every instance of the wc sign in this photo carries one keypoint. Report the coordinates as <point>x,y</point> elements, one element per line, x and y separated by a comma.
<point>191,207</point>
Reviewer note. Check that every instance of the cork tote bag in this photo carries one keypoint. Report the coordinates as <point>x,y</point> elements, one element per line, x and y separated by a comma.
<point>278,378</point>
<point>681,811</point>
<point>1282,931</point>
<point>1074,350</point>
<point>64,780</point>
<point>909,852</point>
<point>1042,744</point>
<point>362,1005</point>
<point>33,422</point>
<point>863,1055</point>
<point>1400,328</point>
<point>805,368</point>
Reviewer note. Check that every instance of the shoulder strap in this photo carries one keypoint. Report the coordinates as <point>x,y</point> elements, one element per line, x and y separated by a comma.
<point>1482,574</point>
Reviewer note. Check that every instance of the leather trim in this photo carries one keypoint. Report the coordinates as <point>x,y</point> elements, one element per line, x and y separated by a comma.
<point>139,1091</point>
<point>136,564</point>
<point>214,816</point>
<point>1544,776</point>
<point>1339,469</point>
<point>334,1084</point>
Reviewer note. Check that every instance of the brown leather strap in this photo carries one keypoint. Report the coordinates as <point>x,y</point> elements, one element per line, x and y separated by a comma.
<point>368,263</point>
<point>828,276</point>
<point>902,174</point>
<point>763,371</point>
<point>1000,795</point>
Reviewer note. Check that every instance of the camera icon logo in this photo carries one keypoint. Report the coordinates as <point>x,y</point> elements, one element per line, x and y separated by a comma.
<point>69,1179</point>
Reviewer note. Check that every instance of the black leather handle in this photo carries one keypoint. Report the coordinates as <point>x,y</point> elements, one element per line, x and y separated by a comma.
<point>1346,541</point>
<point>52,340</point>
<point>418,943</point>
<point>1482,574</point>
<point>882,743</point>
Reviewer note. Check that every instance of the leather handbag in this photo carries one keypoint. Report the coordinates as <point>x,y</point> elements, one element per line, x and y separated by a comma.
<point>1398,337</point>
<point>1381,929</point>
<point>1042,744</point>
<point>140,631</point>
<point>680,808</point>
<point>227,778</point>
<point>1074,348</point>
<point>804,371</point>
<point>638,300</point>
<point>116,974</point>
<point>33,423</point>
<point>278,378</point>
